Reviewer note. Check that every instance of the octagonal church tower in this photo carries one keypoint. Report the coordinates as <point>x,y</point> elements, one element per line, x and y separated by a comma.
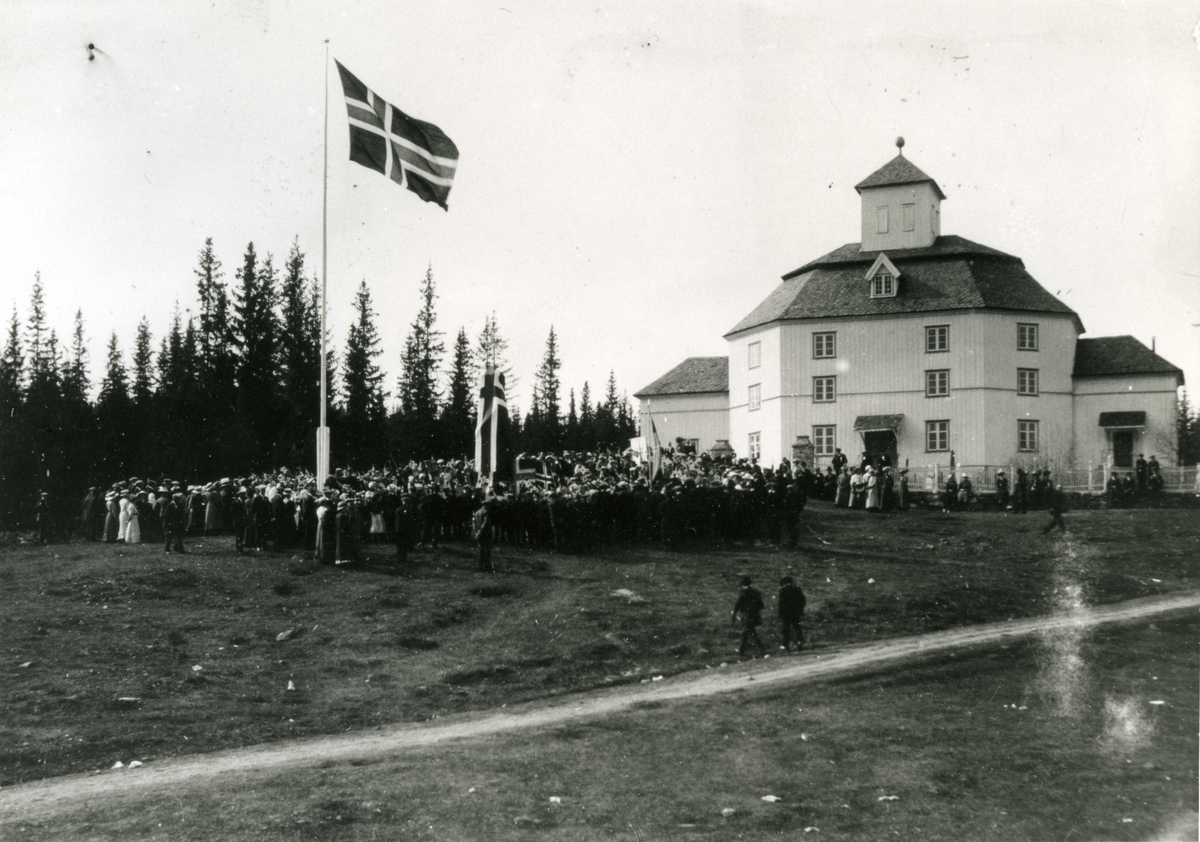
<point>908,342</point>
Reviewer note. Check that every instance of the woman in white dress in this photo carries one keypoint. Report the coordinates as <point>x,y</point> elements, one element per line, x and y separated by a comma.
<point>133,528</point>
<point>123,521</point>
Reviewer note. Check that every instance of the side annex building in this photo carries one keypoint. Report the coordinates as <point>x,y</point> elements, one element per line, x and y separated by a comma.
<point>918,345</point>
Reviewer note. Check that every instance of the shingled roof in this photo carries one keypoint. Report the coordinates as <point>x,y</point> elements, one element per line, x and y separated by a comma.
<point>693,375</point>
<point>1105,356</point>
<point>952,274</point>
<point>899,170</point>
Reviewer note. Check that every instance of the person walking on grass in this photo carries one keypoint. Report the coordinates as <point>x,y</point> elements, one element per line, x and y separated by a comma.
<point>173,522</point>
<point>791,612</point>
<point>481,531</point>
<point>749,607</point>
<point>1057,503</point>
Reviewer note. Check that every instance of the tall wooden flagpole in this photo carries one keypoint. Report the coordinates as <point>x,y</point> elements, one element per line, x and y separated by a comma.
<point>323,429</point>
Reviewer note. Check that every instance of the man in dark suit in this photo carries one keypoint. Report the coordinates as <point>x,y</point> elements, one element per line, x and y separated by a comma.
<point>749,607</point>
<point>481,531</point>
<point>791,612</point>
<point>173,522</point>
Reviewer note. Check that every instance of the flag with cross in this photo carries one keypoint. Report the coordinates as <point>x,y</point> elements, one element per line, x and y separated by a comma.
<point>410,152</point>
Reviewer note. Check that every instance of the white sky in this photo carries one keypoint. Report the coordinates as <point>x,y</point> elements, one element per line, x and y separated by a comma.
<point>639,175</point>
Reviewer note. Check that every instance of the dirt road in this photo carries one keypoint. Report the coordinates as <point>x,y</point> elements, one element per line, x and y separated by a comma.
<point>42,799</point>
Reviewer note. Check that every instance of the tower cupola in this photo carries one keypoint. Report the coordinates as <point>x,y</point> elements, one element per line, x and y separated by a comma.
<point>901,206</point>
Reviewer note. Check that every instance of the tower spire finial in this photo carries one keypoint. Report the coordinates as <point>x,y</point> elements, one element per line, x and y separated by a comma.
<point>900,144</point>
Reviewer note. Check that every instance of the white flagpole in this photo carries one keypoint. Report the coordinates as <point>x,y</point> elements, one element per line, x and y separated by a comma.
<point>323,430</point>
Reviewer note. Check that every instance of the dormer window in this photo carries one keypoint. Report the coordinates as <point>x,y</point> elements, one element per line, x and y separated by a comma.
<point>883,286</point>
<point>883,277</point>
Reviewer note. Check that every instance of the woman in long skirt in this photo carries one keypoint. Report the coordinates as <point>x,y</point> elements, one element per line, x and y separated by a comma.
<point>112,521</point>
<point>858,491</point>
<point>133,524</point>
<point>842,500</point>
<point>123,519</point>
<point>874,491</point>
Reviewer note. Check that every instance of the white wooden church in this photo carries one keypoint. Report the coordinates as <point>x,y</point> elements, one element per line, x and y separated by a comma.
<point>918,344</point>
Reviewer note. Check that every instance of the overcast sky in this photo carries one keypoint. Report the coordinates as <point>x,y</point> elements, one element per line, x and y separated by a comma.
<point>639,175</point>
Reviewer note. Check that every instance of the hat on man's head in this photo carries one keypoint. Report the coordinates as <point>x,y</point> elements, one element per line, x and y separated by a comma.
<point>745,580</point>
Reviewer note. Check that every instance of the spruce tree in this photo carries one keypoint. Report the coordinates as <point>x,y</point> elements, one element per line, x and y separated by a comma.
<point>458,425</point>
<point>547,401</point>
<point>16,469</point>
<point>299,361</point>
<point>143,374</point>
<point>76,381</point>
<point>255,331</point>
<point>364,424</point>
<point>587,420</point>
<point>213,307</point>
<point>492,348</point>
<point>419,394</point>
<point>36,335</point>
<point>12,369</point>
<point>113,416</point>
<point>571,430</point>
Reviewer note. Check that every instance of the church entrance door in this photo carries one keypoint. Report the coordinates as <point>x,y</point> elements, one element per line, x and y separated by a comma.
<point>879,443</point>
<point>1123,448</point>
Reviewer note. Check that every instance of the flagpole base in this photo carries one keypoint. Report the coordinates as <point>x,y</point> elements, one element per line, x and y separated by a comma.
<point>322,456</point>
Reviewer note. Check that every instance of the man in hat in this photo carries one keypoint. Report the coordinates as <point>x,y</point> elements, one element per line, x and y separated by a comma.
<point>481,531</point>
<point>42,516</point>
<point>1001,489</point>
<point>1057,505</point>
<point>85,514</point>
<point>749,607</point>
<point>791,612</point>
<point>173,523</point>
<point>237,519</point>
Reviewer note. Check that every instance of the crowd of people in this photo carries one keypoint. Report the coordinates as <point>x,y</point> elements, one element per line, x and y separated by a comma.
<point>569,502</point>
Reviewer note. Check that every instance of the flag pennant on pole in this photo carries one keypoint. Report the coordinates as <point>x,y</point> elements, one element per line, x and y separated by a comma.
<point>410,152</point>
<point>493,459</point>
<point>656,458</point>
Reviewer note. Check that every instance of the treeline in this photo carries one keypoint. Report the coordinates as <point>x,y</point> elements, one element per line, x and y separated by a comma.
<point>235,389</point>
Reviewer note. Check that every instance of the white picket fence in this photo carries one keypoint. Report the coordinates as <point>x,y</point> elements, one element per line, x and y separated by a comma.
<point>1090,480</point>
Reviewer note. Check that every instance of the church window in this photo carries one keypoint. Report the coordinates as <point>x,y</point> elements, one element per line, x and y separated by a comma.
<point>883,285</point>
<point>824,345</point>
<point>755,446</point>
<point>1027,436</point>
<point>754,350</point>
<point>937,383</point>
<point>754,400</point>
<point>937,436</point>
<point>909,216</point>
<point>824,389</point>
<point>881,220</point>
<point>937,339</point>
<point>824,439</point>
<point>1027,381</point>
<point>1027,337</point>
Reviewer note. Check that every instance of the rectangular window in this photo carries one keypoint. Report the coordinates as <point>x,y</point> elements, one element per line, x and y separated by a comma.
<point>883,285</point>
<point>1027,337</point>
<point>755,398</point>
<point>824,389</point>
<point>881,220</point>
<point>824,440</point>
<point>1027,436</point>
<point>1027,381</point>
<point>754,352</point>
<point>937,436</point>
<point>755,445</point>
<point>937,339</point>
<point>910,216</point>
<point>824,345</point>
<point>937,383</point>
